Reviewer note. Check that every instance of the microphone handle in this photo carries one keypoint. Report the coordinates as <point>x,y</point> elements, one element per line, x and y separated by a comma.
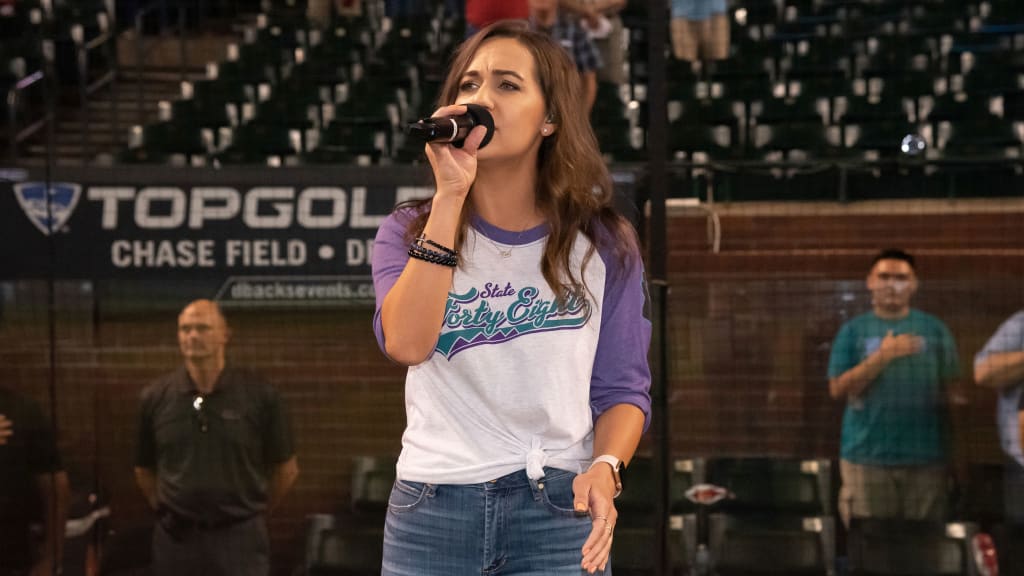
<point>444,129</point>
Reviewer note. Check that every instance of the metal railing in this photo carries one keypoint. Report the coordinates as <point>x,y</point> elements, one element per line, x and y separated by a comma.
<point>15,97</point>
<point>106,41</point>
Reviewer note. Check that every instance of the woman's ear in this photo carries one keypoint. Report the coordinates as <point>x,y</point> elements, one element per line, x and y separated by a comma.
<point>549,126</point>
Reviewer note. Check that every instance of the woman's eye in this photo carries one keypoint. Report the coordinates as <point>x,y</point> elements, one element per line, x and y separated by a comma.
<point>466,86</point>
<point>509,86</point>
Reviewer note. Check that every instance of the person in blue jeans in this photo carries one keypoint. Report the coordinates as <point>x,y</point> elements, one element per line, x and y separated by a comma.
<point>1000,366</point>
<point>515,295</point>
<point>896,368</point>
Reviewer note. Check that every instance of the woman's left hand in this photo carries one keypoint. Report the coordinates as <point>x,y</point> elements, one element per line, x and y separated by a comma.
<point>593,492</point>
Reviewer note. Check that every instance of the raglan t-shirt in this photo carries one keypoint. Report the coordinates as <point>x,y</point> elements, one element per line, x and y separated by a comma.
<point>515,381</point>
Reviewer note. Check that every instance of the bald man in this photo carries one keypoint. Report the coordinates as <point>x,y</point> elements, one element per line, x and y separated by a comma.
<point>215,456</point>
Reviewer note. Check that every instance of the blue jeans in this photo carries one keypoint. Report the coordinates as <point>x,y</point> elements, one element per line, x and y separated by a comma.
<point>509,526</point>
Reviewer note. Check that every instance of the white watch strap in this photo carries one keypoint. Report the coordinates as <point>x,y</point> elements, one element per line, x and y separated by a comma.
<point>616,464</point>
<point>608,458</point>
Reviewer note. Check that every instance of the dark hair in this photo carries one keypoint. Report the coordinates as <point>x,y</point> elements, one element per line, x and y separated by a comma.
<point>574,189</point>
<point>894,254</point>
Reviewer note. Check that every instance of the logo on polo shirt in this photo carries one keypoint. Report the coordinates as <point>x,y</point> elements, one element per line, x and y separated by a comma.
<point>470,319</point>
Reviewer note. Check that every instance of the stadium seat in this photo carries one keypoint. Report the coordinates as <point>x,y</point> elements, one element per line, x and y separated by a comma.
<point>862,110</point>
<point>804,110</point>
<point>739,80</point>
<point>877,140</point>
<point>259,143</point>
<point>174,138</point>
<point>768,485</point>
<point>637,507</point>
<point>372,479</point>
<point>904,547</point>
<point>344,139</point>
<point>980,495</point>
<point>771,544</point>
<point>1009,542</point>
<point>687,141</point>
<point>633,548</point>
<point>348,551</point>
<point>711,113</point>
<point>797,142</point>
<point>982,135</point>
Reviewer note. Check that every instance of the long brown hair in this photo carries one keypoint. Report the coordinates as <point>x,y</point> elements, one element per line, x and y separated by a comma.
<point>574,189</point>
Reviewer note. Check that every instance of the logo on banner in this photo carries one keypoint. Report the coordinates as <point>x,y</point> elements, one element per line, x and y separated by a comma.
<point>63,198</point>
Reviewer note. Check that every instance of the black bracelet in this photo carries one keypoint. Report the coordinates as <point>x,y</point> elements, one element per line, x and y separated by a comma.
<point>421,239</point>
<point>434,257</point>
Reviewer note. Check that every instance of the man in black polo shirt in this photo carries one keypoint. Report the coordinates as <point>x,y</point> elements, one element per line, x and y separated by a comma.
<point>215,455</point>
<point>33,489</point>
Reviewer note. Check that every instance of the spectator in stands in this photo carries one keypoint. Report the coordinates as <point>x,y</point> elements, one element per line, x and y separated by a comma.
<point>566,31</point>
<point>407,8</point>
<point>608,34</point>
<point>319,11</point>
<point>1000,365</point>
<point>33,489</point>
<point>515,294</point>
<point>700,29</point>
<point>482,13</point>
<point>895,367</point>
<point>215,455</point>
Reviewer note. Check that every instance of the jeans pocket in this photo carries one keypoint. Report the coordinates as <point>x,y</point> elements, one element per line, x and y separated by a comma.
<point>406,496</point>
<point>556,492</point>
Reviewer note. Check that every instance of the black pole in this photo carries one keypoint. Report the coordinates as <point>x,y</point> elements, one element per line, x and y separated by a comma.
<point>49,87</point>
<point>182,54</point>
<point>139,55</point>
<point>657,108</point>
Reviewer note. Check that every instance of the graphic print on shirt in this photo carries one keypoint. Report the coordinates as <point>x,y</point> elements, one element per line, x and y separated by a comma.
<point>471,320</point>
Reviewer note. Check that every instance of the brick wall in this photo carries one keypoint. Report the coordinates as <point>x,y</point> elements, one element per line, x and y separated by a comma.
<point>749,334</point>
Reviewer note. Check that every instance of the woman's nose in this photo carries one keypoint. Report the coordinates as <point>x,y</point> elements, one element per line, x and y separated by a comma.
<point>481,98</point>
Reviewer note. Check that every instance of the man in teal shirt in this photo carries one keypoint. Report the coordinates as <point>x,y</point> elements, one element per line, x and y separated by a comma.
<point>894,366</point>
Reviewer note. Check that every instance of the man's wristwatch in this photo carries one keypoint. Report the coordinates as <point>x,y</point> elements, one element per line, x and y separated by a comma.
<point>616,465</point>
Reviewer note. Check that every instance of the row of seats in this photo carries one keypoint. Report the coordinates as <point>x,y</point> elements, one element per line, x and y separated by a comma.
<point>777,517</point>
<point>35,32</point>
<point>782,96</point>
<point>821,79</point>
<point>291,94</point>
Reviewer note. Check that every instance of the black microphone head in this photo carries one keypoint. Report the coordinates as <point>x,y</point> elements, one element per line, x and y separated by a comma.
<point>481,117</point>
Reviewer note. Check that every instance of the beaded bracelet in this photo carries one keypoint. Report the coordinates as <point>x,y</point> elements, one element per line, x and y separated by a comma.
<point>422,238</point>
<point>433,256</point>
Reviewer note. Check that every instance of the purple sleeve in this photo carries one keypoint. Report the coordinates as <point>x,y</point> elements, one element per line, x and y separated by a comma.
<point>390,254</point>
<point>621,373</point>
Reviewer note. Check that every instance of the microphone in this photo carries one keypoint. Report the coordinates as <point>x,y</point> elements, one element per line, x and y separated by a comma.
<point>453,129</point>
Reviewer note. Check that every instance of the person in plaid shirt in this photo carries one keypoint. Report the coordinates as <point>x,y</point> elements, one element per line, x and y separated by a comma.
<point>545,17</point>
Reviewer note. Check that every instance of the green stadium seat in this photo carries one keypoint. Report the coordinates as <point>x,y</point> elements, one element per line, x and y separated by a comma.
<point>895,547</point>
<point>343,142</point>
<point>774,485</point>
<point>349,551</point>
<point>771,544</point>
<point>372,479</point>
<point>633,552</point>
<point>259,143</point>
